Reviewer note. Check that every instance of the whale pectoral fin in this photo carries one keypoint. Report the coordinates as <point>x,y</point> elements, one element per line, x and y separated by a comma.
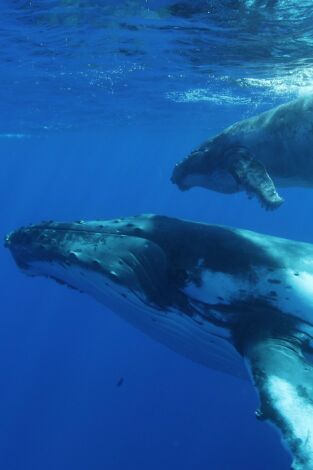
<point>252,175</point>
<point>284,379</point>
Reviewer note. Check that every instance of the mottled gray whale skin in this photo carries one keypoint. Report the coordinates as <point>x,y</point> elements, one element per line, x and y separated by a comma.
<point>273,149</point>
<point>230,299</point>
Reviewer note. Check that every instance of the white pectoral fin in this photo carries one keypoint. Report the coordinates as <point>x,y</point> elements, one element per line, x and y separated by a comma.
<point>253,177</point>
<point>284,379</point>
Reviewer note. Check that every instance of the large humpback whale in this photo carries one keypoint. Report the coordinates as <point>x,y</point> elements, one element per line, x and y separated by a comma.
<point>272,149</point>
<point>224,297</point>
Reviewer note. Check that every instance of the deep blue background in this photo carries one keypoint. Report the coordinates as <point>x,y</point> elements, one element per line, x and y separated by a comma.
<point>62,354</point>
<point>99,99</point>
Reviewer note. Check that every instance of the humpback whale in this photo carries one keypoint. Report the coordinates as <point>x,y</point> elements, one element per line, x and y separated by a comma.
<point>272,149</point>
<point>233,300</point>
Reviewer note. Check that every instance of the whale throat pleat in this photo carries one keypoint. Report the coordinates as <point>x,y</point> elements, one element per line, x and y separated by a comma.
<point>191,336</point>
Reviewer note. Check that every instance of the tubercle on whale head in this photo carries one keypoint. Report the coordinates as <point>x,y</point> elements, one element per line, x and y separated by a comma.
<point>206,161</point>
<point>92,256</point>
<point>19,242</point>
<point>51,241</point>
<point>206,167</point>
<point>7,241</point>
<point>25,244</point>
<point>180,173</point>
<point>199,161</point>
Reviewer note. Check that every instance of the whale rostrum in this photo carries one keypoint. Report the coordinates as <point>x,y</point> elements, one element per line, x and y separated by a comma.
<point>256,155</point>
<point>230,299</point>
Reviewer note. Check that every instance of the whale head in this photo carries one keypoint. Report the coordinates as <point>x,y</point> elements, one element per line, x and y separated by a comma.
<point>205,167</point>
<point>223,297</point>
<point>103,258</point>
<point>225,166</point>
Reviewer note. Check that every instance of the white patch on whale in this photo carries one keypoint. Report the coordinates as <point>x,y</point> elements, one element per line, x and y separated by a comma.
<point>297,414</point>
<point>291,292</point>
<point>225,286</point>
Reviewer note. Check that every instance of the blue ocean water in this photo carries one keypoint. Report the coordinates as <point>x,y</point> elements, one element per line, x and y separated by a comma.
<point>99,101</point>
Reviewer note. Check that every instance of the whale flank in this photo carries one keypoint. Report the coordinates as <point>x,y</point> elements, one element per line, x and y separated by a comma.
<point>233,300</point>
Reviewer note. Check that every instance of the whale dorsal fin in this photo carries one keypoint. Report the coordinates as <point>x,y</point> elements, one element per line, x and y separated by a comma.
<point>284,379</point>
<point>252,175</point>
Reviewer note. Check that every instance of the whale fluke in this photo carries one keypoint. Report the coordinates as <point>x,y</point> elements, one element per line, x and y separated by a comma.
<point>230,299</point>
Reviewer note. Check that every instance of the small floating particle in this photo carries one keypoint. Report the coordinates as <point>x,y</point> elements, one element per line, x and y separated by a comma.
<point>120,382</point>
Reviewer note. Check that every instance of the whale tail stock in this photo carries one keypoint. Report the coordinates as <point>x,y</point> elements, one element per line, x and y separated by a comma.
<point>284,379</point>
